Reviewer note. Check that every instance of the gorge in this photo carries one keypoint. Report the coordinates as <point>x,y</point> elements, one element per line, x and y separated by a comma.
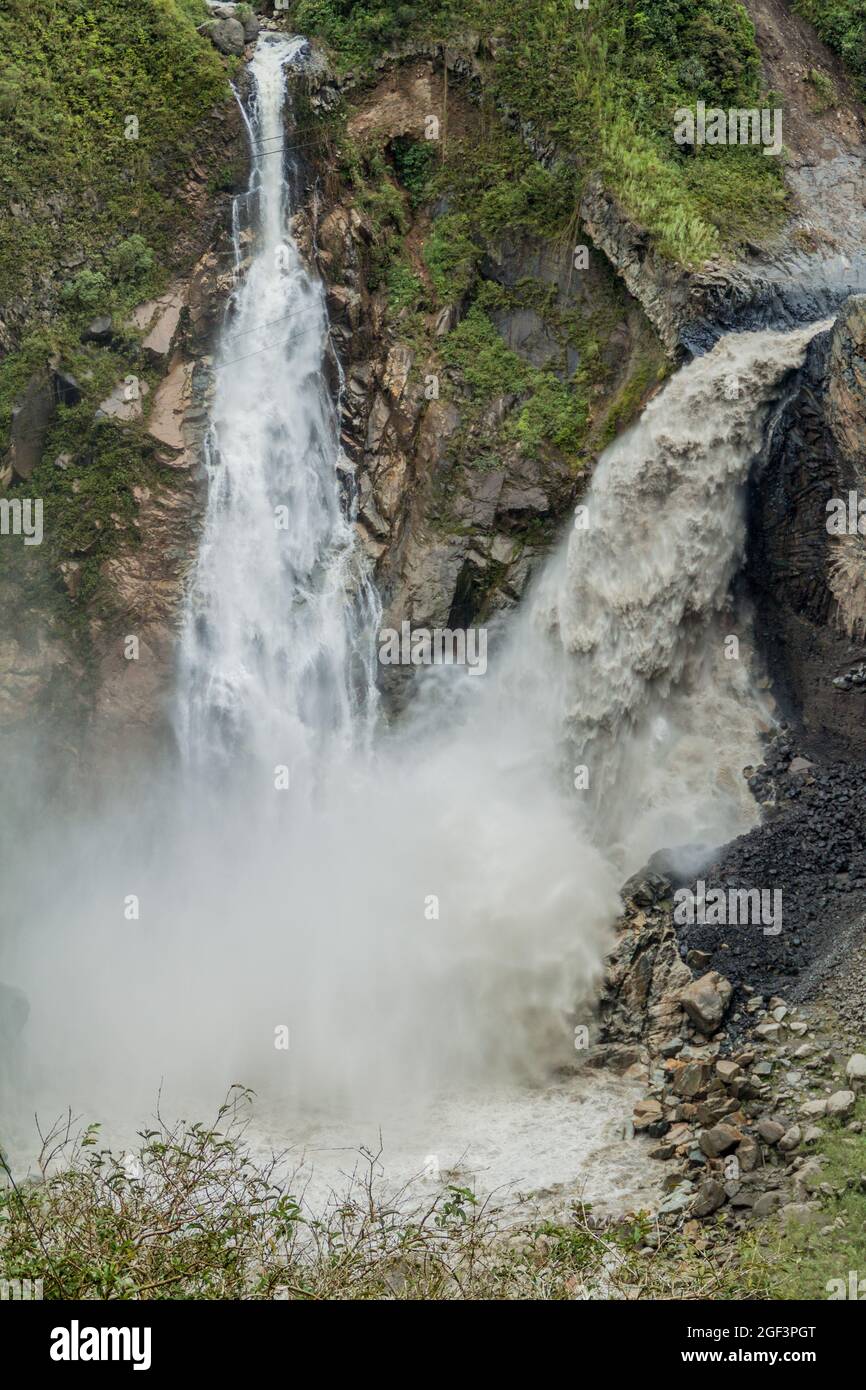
<point>378,893</point>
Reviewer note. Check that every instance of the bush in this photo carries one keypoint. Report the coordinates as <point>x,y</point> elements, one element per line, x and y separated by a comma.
<point>89,291</point>
<point>131,259</point>
<point>414,161</point>
<point>451,255</point>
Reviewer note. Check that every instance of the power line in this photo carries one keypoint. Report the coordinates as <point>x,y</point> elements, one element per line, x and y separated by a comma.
<point>270,322</point>
<point>269,347</point>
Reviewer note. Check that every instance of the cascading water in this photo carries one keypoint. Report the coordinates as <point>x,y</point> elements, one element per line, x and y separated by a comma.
<point>430,926</point>
<point>276,655</point>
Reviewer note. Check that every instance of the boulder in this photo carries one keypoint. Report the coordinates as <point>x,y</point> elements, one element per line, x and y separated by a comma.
<point>841,1104</point>
<point>227,35</point>
<point>647,1112</point>
<point>719,1140</point>
<point>708,1198</point>
<point>791,1139</point>
<point>706,1000</point>
<point>31,415</point>
<point>856,1068</point>
<point>770,1130</point>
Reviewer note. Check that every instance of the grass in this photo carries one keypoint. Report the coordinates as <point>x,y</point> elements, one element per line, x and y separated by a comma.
<point>807,1260</point>
<point>78,81</point>
<point>600,87</point>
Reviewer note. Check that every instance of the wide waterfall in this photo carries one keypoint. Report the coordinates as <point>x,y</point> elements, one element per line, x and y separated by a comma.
<point>424,927</point>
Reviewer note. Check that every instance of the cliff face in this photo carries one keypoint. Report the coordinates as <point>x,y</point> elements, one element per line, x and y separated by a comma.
<point>455,504</point>
<point>809,582</point>
<point>121,276</point>
<point>803,269</point>
<point>488,343</point>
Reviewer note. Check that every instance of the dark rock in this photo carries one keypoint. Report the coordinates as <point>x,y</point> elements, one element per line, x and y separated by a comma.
<point>99,331</point>
<point>66,389</point>
<point>708,1198</point>
<point>227,35</point>
<point>31,416</point>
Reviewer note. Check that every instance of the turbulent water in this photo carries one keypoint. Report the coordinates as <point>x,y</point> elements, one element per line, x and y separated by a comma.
<point>424,909</point>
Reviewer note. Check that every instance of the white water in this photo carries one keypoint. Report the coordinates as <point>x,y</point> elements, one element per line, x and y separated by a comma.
<point>276,655</point>
<point>309,908</point>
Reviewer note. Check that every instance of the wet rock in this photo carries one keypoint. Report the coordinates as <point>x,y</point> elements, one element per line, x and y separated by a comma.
<point>647,1112</point>
<point>680,1199</point>
<point>32,414</point>
<point>691,1079</point>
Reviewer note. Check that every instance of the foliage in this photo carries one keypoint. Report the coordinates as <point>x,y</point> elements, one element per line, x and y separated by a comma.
<point>842,25</point>
<point>414,161</point>
<point>600,85</point>
<point>451,255</point>
<point>190,1214</point>
<point>70,178</point>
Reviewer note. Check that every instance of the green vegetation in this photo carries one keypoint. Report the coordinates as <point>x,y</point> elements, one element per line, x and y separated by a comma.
<point>88,503</point>
<point>451,254</point>
<point>600,86</point>
<point>842,26</point>
<point>100,110</point>
<point>97,106</point>
<point>834,1242</point>
<point>488,367</point>
<point>414,162</point>
<point>194,1216</point>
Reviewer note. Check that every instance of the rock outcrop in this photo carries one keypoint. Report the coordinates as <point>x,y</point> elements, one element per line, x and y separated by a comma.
<point>808,580</point>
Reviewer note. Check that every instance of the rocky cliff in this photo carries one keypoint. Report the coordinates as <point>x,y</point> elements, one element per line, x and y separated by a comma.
<point>807,571</point>
<point>506,288</point>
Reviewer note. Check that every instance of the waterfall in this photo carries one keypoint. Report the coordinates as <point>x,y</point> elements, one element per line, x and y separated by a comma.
<point>428,922</point>
<point>276,654</point>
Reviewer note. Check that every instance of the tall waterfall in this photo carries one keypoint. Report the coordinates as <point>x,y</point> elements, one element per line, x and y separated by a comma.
<point>277,647</point>
<point>435,917</point>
